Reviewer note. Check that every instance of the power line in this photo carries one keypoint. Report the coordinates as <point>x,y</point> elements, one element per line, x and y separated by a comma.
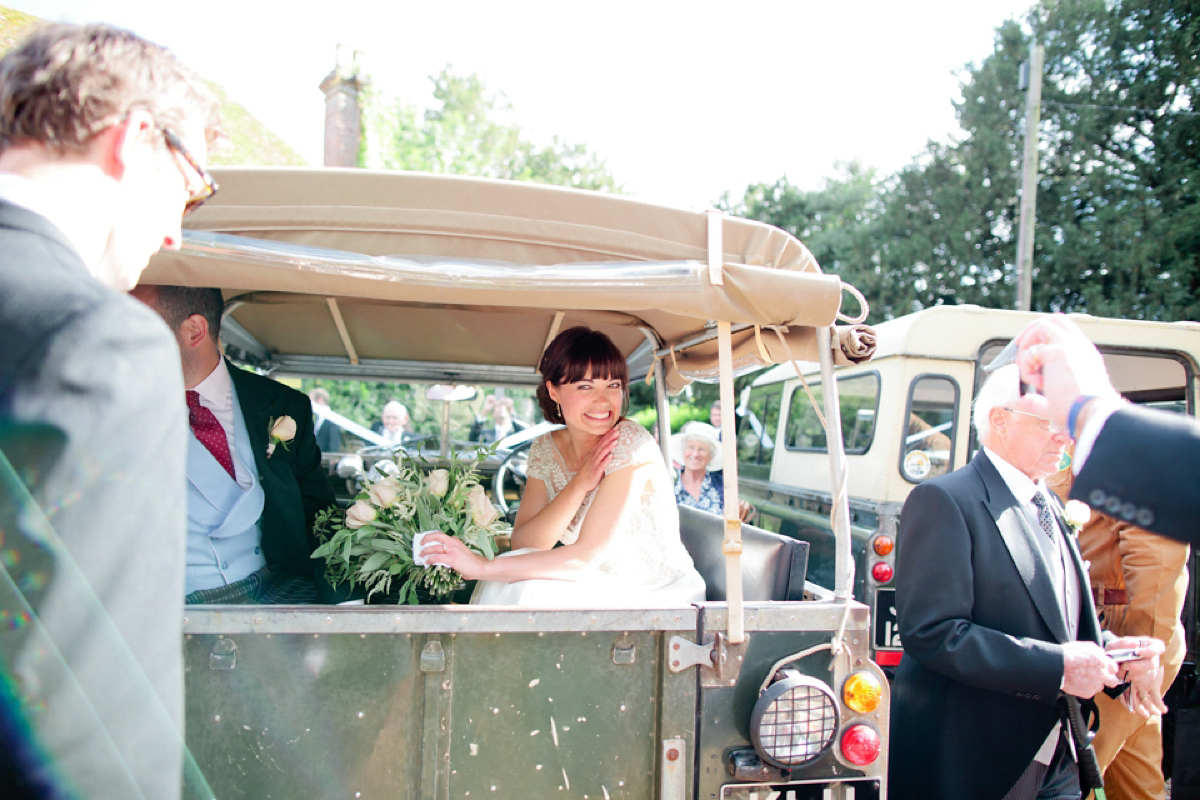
<point>1123,108</point>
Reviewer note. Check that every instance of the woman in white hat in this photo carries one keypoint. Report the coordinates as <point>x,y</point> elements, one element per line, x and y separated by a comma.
<point>697,448</point>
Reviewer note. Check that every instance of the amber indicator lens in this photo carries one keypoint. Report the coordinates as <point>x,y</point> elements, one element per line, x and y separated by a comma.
<point>862,692</point>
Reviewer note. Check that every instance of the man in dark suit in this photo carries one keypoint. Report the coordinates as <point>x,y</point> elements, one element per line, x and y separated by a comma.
<point>254,475</point>
<point>103,137</point>
<point>1136,464</point>
<point>326,431</point>
<point>997,622</point>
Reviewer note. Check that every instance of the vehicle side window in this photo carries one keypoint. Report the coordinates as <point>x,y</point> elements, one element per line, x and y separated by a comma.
<point>928,447</point>
<point>859,399</point>
<point>757,421</point>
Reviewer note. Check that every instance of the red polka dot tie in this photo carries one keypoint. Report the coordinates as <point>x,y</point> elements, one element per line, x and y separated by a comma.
<point>209,431</point>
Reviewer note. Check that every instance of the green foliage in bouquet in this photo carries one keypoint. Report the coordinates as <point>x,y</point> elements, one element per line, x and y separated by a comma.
<point>370,544</point>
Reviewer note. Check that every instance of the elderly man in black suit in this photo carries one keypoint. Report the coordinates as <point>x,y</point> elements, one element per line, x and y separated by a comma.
<point>254,475</point>
<point>997,622</point>
<point>103,140</point>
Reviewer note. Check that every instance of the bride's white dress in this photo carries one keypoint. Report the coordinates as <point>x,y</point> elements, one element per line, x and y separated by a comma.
<point>645,565</point>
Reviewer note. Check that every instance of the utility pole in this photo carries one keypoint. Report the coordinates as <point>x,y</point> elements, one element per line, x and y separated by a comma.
<point>1029,176</point>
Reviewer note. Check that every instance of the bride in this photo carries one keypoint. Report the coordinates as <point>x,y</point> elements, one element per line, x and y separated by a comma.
<point>599,487</point>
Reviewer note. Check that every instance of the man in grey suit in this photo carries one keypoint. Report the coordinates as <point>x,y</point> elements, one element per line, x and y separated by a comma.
<point>103,138</point>
<point>997,622</point>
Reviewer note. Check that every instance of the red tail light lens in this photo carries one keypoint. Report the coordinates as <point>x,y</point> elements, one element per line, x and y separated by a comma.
<point>882,572</point>
<point>860,744</point>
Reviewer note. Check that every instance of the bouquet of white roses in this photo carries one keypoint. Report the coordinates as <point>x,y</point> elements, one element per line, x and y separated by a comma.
<point>371,544</point>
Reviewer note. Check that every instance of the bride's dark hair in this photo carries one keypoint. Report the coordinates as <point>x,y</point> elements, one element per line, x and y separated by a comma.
<point>570,357</point>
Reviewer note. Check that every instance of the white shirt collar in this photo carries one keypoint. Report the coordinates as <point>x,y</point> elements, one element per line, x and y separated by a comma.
<point>32,196</point>
<point>217,389</point>
<point>1018,482</point>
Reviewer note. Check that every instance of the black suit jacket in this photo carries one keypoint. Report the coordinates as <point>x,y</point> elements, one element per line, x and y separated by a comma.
<point>329,436</point>
<point>294,482</point>
<point>976,694</point>
<point>101,504</point>
<point>1145,468</point>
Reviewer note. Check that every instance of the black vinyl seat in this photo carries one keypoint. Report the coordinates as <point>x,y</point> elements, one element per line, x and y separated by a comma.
<point>773,566</point>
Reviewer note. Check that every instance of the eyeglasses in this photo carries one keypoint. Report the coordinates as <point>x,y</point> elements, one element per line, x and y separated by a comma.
<point>1046,425</point>
<point>210,186</point>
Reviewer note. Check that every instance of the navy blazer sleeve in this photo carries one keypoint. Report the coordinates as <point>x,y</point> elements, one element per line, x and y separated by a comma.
<point>1145,468</point>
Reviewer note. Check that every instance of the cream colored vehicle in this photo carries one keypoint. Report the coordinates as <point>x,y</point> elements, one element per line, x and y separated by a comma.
<point>765,690</point>
<point>905,419</point>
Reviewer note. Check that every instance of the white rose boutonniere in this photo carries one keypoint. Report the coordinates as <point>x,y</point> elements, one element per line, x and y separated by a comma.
<point>1077,513</point>
<point>281,430</point>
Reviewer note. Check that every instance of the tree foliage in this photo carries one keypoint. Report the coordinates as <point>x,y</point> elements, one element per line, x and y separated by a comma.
<point>1118,212</point>
<point>471,131</point>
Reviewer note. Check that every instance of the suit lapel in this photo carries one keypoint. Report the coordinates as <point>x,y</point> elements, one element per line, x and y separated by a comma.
<point>1023,548</point>
<point>256,411</point>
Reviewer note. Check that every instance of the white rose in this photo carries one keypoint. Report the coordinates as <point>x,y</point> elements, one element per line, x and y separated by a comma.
<point>1077,513</point>
<point>359,514</point>
<point>482,510</point>
<point>438,481</point>
<point>284,429</point>
<point>384,493</point>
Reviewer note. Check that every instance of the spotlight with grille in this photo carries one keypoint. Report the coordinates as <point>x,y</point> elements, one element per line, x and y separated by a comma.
<point>794,721</point>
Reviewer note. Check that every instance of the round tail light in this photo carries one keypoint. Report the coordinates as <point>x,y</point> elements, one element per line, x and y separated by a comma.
<point>860,744</point>
<point>882,572</point>
<point>883,545</point>
<point>862,692</point>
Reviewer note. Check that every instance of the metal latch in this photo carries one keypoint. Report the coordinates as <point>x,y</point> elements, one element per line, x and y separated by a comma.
<point>433,657</point>
<point>223,655</point>
<point>623,651</point>
<point>685,654</point>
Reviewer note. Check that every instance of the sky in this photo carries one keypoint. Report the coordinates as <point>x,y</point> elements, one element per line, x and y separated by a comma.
<point>683,100</point>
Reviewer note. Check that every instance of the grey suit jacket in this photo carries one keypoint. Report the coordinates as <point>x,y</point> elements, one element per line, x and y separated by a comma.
<point>976,693</point>
<point>98,505</point>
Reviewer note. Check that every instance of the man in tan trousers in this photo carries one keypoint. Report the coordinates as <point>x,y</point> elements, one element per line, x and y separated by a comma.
<point>1139,580</point>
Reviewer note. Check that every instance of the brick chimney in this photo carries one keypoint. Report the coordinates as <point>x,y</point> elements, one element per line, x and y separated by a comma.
<point>343,117</point>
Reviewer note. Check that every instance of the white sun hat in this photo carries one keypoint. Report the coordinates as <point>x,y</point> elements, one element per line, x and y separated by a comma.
<point>702,432</point>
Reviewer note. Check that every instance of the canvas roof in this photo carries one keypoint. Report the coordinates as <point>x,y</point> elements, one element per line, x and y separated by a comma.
<point>334,270</point>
